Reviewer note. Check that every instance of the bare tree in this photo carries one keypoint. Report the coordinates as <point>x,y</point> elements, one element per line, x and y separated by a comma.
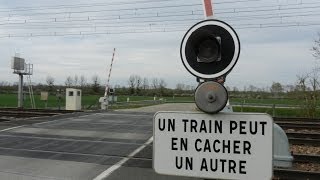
<point>235,89</point>
<point>289,88</point>
<point>307,90</point>
<point>4,83</point>
<point>155,83</point>
<point>312,96</point>
<point>180,87</point>
<point>301,83</point>
<point>50,80</point>
<point>132,83</point>
<point>162,83</point>
<point>162,86</point>
<point>75,80</point>
<point>95,84</point>
<point>252,88</point>
<point>50,83</point>
<point>316,48</point>
<point>69,81</point>
<point>276,88</point>
<point>83,81</point>
<point>138,84</point>
<point>145,84</point>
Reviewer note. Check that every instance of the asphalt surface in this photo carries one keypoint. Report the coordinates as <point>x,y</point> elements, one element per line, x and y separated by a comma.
<point>104,145</point>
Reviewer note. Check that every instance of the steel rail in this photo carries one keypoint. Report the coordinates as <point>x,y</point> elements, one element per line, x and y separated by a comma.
<point>302,141</point>
<point>40,110</point>
<point>299,126</point>
<point>295,174</point>
<point>303,135</point>
<point>306,158</point>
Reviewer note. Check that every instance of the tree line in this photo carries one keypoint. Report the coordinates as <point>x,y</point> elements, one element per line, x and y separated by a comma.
<point>142,86</point>
<point>136,86</point>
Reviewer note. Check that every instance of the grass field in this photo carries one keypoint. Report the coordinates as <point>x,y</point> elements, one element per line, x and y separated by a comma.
<point>277,112</point>
<point>10,100</point>
<point>290,102</point>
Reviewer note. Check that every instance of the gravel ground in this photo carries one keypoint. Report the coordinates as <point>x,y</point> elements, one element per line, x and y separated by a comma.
<point>302,149</point>
<point>307,167</point>
<point>303,131</point>
<point>165,107</point>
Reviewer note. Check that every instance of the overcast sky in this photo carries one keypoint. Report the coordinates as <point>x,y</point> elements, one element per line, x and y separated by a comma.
<point>267,54</point>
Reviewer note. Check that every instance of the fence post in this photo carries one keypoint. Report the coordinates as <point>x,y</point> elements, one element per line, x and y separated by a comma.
<point>242,106</point>
<point>274,110</point>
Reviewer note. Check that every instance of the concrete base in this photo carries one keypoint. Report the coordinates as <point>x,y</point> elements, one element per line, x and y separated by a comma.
<point>104,103</point>
<point>281,151</point>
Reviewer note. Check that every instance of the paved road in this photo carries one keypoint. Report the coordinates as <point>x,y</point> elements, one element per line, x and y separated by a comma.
<point>110,145</point>
<point>165,107</point>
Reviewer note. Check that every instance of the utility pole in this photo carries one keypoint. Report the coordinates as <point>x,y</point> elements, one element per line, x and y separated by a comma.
<point>20,91</point>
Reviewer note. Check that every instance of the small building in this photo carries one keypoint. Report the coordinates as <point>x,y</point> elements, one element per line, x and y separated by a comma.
<point>73,99</point>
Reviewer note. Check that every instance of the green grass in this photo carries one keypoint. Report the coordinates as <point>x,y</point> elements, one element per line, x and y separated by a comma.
<point>180,99</point>
<point>150,98</point>
<point>278,112</point>
<point>134,98</point>
<point>10,100</point>
<point>265,101</point>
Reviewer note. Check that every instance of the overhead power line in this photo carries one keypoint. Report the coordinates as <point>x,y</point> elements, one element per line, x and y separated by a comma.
<point>219,11</point>
<point>151,18</point>
<point>156,22</point>
<point>91,19</point>
<point>278,6</point>
<point>155,18</point>
<point>111,10</point>
<point>256,12</point>
<point>28,8</point>
<point>163,30</point>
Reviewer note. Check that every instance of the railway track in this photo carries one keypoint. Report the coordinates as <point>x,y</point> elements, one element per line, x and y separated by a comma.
<point>309,136</point>
<point>9,113</point>
<point>303,135</point>
<point>296,120</point>
<point>298,138</point>
<point>11,117</point>
<point>306,158</point>
<point>301,141</point>
<point>298,125</point>
<point>291,174</point>
<point>280,173</point>
<point>38,110</point>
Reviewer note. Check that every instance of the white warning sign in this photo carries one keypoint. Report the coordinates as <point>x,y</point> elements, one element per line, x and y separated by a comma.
<point>223,146</point>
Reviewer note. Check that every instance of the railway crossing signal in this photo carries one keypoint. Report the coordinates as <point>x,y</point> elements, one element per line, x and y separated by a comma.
<point>209,51</point>
<point>211,144</point>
